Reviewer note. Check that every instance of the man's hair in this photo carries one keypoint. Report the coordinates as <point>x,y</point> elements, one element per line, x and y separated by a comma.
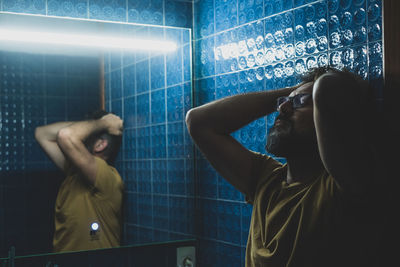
<point>114,141</point>
<point>315,73</point>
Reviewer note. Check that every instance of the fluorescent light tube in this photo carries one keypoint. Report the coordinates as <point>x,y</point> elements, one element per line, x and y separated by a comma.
<point>86,40</point>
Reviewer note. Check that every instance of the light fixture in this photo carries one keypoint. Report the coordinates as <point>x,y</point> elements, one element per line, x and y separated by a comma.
<point>85,40</point>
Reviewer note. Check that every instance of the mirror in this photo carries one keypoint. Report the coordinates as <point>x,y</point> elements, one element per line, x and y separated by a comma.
<point>149,87</point>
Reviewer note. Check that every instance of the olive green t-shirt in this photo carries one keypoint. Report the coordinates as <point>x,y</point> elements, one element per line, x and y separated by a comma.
<point>86,216</point>
<point>310,224</point>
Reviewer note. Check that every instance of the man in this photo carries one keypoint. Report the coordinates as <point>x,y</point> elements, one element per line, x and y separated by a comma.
<point>88,204</point>
<point>315,210</point>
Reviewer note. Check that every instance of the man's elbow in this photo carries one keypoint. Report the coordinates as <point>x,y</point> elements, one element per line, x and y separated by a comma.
<point>333,88</point>
<point>38,133</point>
<point>193,121</point>
<point>64,136</point>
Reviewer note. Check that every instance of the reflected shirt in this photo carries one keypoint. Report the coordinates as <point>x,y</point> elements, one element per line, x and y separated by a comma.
<point>86,216</point>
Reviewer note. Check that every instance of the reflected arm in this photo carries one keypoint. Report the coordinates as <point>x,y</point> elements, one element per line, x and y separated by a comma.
<point>46,136</point>
<point>71,141</point>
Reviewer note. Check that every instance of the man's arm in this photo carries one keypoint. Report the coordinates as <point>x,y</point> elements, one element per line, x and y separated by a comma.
<point>210,126</point>
<point>340,110</point>
<point>71,141</point>
<point>47,138</point>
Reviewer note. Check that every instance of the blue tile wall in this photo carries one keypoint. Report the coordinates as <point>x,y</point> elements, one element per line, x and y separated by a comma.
<point>243,46</point>
<point>154,92</point>
<point>155,12</point>
<point>36,90</point>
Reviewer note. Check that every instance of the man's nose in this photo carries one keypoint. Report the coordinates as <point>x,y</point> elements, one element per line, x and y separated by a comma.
<point>286,107</point>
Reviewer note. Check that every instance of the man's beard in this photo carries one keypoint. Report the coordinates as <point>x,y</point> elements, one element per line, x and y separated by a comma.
<point>284,141</point>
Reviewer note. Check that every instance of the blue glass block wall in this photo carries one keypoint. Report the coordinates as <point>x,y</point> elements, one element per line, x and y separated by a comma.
<point>152,92</point>
<point>253,45</point>
<point>36,90</point>
<point>155,12</point>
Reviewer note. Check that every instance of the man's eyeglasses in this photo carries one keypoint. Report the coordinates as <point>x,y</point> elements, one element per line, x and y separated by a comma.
<point>298,101</point>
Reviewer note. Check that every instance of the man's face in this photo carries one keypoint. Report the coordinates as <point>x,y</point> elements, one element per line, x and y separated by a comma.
<point>293,132</point>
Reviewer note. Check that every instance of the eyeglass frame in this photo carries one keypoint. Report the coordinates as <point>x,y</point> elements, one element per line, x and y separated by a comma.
<point>296,100</point>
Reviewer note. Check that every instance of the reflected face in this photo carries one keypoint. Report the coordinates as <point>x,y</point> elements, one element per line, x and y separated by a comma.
<point>294,130</point>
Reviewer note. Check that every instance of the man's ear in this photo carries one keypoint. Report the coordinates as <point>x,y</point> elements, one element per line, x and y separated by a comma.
<point>100,145</point>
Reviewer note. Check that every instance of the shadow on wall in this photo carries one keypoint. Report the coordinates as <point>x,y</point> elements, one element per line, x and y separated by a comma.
<point>27,201</point>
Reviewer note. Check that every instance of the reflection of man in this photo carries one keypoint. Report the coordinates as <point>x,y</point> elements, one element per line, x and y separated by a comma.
<point>88,205</point>
<point>312,211</point>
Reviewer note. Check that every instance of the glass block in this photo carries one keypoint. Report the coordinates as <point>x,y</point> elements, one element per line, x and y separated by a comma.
<point>30,7</point>
<point>203,18</point>
<point>158,141</point>
<point>143,149</point>
<point>207,179</point>
<point>226,14</point>
<point>74,8</point>
<point>374,20</point>
<point>116,107</point>
<point>158,106</point>
<point>190,182</point>
<point>229,222</point>
<point>226,51</point>
<point>187,97</point>
<point>131,208</point>
<point>142,76</point>
<point>174,64</point>
<point>128,79</point>
<point>335,59</point>
<point>176,177</point>
<point>57,107</point>
<point>227,191</point>
<point>205,52</point>
<point>161,212</point>
<point>222,86</point>
<point>129,145</point>
<point>188,147</point>
<point>160,178</point>
<point>205,90</point>
<point>297,3</point>
<point>178,13</point>
<point>208,214</point>
<point>180,214</point>
<point>279,38</point>
<point>116,84</point>
<point>146,235</point>
<point>105,10</point>
<point>157,72</point>
<point>375,63</point>
<point>144,201</point>
<point>143,174</point>
<point>246,211</point>
<point>142,109</point>
<point>175,140</point>
<point>187,61</point>
<point>175,103</point>
<point>311,29</point>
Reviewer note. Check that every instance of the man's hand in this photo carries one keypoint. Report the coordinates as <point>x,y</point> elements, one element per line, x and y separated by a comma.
<point>114,123</point>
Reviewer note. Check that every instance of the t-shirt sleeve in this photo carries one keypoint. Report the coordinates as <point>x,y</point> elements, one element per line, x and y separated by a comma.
<point>108,181</point>
<point>263,167</point>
